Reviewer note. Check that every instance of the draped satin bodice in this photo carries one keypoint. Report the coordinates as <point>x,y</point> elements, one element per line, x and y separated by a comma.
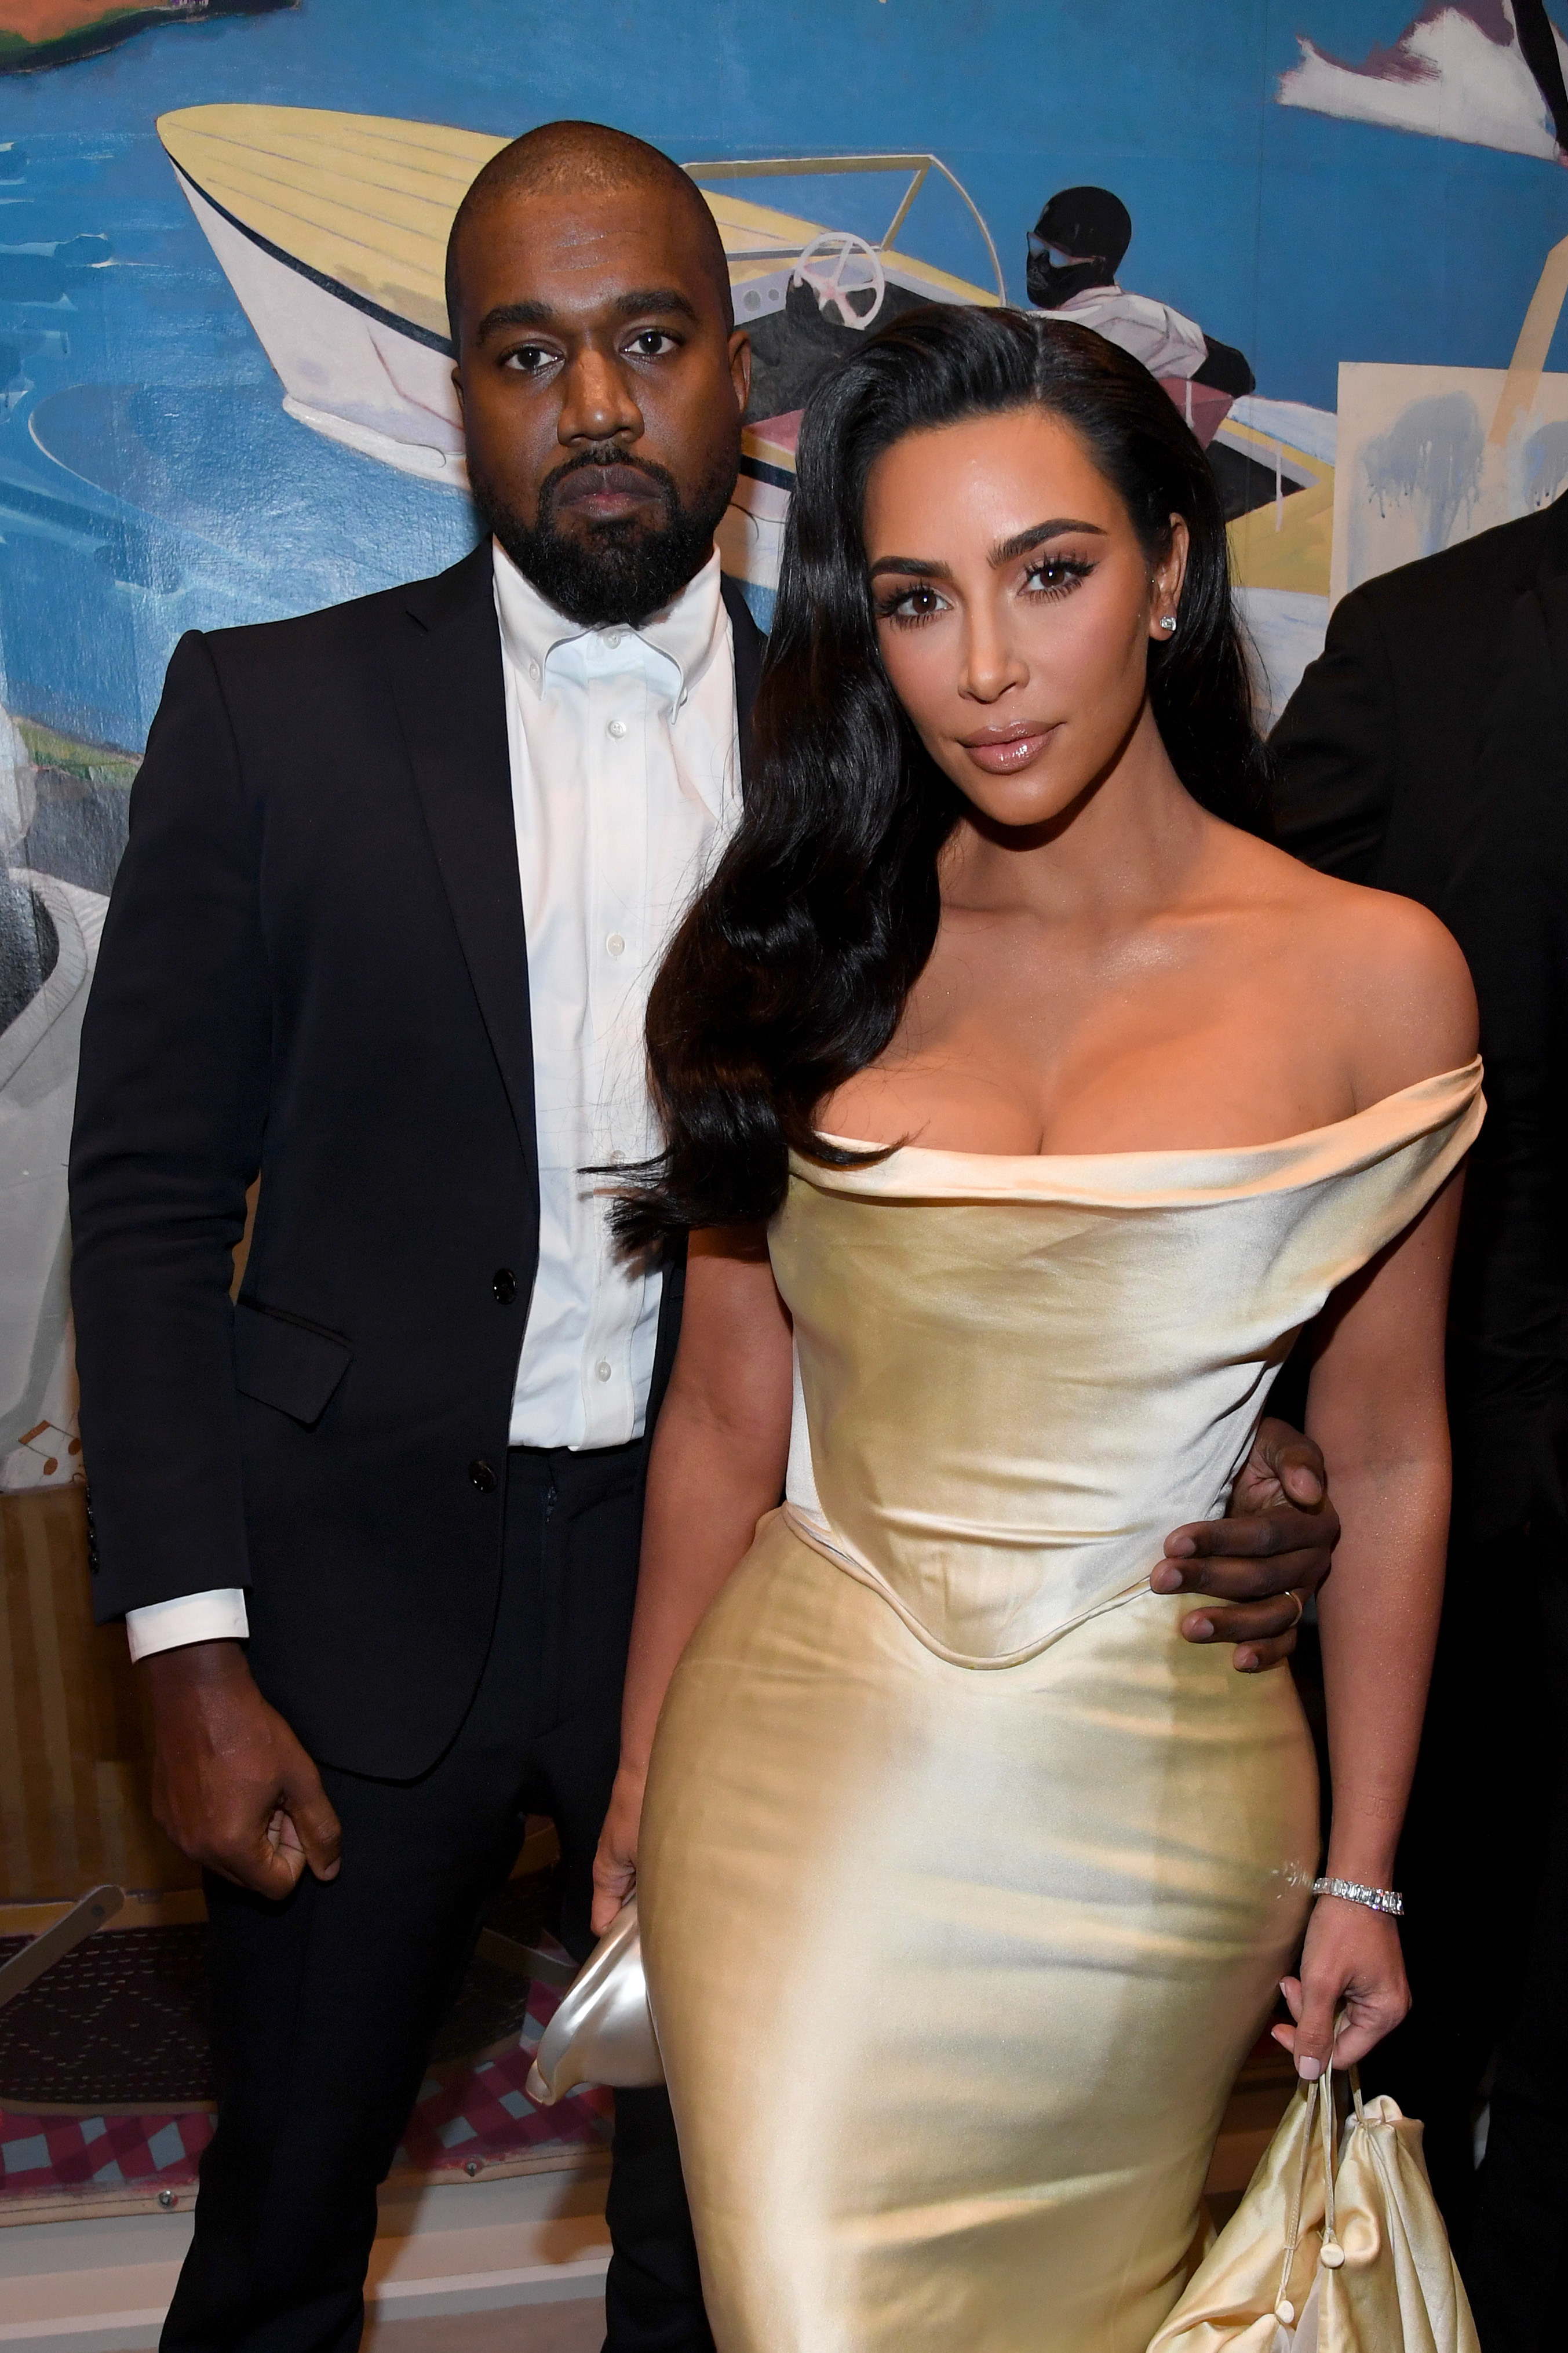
<point>1018,1374</point>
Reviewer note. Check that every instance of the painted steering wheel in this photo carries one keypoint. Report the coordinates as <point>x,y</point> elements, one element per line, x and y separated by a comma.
<point>837,266</point>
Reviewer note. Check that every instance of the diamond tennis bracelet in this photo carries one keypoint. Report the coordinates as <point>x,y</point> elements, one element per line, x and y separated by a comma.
<point>1376,1899</point>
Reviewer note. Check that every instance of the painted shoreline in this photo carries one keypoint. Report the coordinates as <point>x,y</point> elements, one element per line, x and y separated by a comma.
<point>88,32</point>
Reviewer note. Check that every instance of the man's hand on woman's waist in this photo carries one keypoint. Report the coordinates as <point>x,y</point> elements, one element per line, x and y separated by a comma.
<point>1271,1551</point>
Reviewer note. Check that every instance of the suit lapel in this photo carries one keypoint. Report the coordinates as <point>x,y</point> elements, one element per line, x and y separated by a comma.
<point>750,645</point>
<point>450,694</point>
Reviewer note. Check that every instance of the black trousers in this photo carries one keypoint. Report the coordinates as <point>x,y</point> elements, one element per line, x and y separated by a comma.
<point>1516,2262</point>
<point>324,2007</point>
<point>1481,1802</point>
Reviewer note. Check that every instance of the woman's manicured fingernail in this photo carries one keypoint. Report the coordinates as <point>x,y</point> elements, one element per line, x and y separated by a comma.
<point>1308,2069</point>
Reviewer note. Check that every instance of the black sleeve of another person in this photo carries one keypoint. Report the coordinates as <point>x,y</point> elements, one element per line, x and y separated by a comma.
<point>1334,746</point>
<point>1507,905</point>
<point>171,1103</point>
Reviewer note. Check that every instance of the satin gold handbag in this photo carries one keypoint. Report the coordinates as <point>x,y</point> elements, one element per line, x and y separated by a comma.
<point>1330,2252</point>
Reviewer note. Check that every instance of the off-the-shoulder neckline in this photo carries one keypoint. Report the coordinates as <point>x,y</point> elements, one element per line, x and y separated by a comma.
<point>1461,1082</point>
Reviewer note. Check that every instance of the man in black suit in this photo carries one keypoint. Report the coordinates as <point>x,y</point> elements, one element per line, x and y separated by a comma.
<point>397,877</point>
<point>1427,753</point>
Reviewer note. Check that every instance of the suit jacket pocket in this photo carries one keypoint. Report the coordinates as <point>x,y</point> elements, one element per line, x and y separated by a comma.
<point>283,1362</point>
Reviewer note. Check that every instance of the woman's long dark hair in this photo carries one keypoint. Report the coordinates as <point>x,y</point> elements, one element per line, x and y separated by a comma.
<point>792,968</point>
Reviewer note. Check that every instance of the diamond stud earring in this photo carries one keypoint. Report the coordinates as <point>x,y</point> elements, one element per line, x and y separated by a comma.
<point>1169,622</point>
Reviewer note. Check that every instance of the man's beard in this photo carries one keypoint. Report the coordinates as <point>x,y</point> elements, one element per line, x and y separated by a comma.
<point>602,572</point>
<point>1049,286</point>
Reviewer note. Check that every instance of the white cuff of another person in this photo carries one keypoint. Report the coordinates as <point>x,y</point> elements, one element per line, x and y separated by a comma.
<point>217,1617</point>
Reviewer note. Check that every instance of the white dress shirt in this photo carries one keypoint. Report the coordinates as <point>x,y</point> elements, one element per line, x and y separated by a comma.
<point>626,785</point>
<point>1166,342</point>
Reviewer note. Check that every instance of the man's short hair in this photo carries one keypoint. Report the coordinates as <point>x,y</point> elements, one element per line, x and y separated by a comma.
<point>569,158</point>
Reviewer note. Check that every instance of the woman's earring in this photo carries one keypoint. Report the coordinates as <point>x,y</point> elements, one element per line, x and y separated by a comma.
<point>1169,622</point>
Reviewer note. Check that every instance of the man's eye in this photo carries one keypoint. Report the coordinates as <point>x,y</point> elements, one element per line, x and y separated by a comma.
<point>528,358</point>
<point>652,342</point>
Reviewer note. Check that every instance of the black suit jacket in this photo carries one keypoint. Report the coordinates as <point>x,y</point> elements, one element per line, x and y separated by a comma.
<point>1427,753</point>
<point>313,970</point>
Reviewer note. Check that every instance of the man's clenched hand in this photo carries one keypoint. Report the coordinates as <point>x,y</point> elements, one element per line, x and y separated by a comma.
<point>231,1784</point>
<point>1273,1548</point>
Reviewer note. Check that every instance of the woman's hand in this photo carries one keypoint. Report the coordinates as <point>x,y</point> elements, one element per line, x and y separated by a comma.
<point>615,1864</point>
<point>1352,1957</point>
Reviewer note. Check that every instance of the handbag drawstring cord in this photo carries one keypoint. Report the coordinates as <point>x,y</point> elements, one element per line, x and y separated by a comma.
<point>1331,2251</point>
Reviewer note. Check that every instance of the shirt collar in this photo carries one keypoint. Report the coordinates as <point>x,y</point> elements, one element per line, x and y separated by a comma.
<point>688,632</point>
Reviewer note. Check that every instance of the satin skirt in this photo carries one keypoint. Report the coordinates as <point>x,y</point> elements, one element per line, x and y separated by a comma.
<point>952,1969</point>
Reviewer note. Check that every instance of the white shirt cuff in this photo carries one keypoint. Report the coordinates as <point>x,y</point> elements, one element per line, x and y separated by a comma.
<point>217,1617</point>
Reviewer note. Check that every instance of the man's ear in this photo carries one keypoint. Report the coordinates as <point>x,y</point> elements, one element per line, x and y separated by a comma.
<point>458,384</point>
<point>740,367</point>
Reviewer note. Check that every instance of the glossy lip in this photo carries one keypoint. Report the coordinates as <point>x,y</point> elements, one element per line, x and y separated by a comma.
<point>999,751</point>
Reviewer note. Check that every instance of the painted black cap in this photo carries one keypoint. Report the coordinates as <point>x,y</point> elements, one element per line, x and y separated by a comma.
<point>1088,223</point>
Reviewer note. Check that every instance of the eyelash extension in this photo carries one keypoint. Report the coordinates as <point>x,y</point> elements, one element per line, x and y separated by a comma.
<point>887,609</point>
<point>1073,566</point>
<point>1077,569</point>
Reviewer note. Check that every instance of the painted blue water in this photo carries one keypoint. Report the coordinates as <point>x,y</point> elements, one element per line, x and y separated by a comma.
<point>151,482</point>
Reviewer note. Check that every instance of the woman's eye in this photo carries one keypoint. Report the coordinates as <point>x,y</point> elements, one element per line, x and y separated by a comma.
<point>1057,575</point>
<point>921,604</point>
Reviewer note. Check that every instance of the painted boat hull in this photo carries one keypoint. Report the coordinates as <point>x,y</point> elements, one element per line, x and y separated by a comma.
<point>331,229</point>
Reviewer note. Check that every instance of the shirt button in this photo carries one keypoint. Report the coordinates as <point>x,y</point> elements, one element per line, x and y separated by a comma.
<point>612,637</point>
<point>603,1369</point>
<point>503,1282</point>
<point>534,673</point>
<point>618,728</point>
<point>616,944</point>
<point>482,1477</point>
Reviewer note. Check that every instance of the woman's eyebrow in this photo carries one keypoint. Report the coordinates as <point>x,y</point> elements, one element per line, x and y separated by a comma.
<point>917,565</point>
<point>1007,549</point>
<point>922,567</point>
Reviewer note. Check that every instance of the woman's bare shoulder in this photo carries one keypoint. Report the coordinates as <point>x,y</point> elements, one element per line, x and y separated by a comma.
<point>1384,966</point>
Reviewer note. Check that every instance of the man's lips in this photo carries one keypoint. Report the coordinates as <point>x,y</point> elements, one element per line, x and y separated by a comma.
<point>1000,750</point>
<point>605,493</point>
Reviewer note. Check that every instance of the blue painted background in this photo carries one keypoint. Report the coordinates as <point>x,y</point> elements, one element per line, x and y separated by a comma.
<point>1304,239</point>
<point>151,480</point>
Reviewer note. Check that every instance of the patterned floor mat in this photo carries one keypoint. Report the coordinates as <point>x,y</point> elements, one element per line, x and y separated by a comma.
<point>133,2017</point>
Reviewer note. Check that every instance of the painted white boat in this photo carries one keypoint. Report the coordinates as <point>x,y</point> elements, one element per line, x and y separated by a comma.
<point>333,229</point>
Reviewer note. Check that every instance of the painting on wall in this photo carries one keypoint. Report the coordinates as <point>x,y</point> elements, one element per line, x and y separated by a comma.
<point>1490,74</point>
<point>38,34</point>
<point>1431,455</point>
<point>225,372</point>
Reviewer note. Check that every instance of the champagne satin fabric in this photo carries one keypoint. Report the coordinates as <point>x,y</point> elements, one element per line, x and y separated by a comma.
<point>1374,2274</point>
<point>964,1883</point>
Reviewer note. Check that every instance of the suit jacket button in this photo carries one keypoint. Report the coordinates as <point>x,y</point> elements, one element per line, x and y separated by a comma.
<point>503,1282</point>
<point>483,1477</point>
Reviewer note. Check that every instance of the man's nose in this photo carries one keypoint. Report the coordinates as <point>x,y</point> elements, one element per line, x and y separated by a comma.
<point>597,404</point>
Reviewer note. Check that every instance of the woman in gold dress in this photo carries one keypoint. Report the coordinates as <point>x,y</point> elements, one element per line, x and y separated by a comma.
<point>1022,1104</point>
